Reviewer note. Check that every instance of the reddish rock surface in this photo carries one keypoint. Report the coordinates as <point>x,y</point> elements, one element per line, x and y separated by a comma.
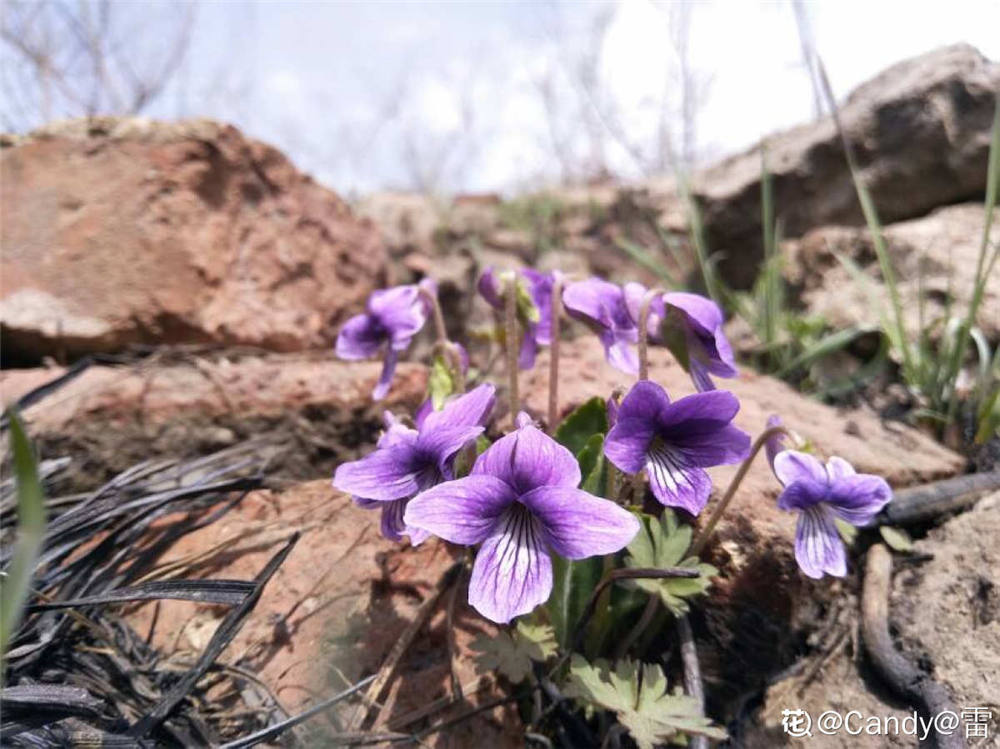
<point>159,392</point>
<point>120,231</point>
<point>332,613</point>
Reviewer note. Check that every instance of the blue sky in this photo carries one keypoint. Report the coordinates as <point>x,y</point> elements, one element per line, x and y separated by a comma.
<point>449,95</point>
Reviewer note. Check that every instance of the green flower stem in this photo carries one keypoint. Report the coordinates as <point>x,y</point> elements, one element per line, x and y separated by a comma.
<point>704,533</point>
<point>512,340</point>
<point>557,286</point>
<point>640,626</point>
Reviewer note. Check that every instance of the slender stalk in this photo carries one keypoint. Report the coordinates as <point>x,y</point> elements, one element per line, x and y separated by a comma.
<point>513,344</point>
<point>442,345</point>
<point>647,302</point>
<point>557,286</point>
<point>706,532</point>
<point>652,603</point>
<point>440,329</point>
<point>692,674</point>
<point>624,573</point>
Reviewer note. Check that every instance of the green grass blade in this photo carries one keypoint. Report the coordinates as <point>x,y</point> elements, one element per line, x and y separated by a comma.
<point>14,586</point>
<point>984,267</point>
<point>647,260</point>
<point>828,344</point>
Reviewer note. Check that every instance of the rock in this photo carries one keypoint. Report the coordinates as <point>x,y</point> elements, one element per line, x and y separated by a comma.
<point>314,409</point>
<point>122,231</point>
<point>333,611</point>
<point>946,612</point>
<point>921,131</point>
<point>934,258</point>
<point>760,608</point>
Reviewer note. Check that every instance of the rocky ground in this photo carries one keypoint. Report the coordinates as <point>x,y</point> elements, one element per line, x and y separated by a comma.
<point>216,275</point>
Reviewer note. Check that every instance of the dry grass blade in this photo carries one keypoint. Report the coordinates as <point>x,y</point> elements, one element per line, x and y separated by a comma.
<point>223,635</point>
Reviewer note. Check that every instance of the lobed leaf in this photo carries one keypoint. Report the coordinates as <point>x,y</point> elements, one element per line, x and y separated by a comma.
<point>664,543</point>
<point>638,695</point>
<point>511,652</point>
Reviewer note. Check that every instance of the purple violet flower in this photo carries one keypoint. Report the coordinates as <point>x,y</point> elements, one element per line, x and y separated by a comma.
<point>408,461</point>
<point>521,502</point>
<point>675,442</point>
<point>391,318</point>
<point>536,287</point>
<point>693,333</point>
<point>605,309</point>
<point>821,494</point>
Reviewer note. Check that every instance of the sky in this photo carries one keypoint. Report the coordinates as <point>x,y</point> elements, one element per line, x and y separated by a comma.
<point>491,96</point>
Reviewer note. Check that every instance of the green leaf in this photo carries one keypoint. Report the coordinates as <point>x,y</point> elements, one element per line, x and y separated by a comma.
<point>511,652</point>
<point>638,695</point>
<point>440,383</point>
<point>896,538</point>
<point>572,582</point>
<point>663,543</point>
<point>15,585</point>
<point>847,531</point>
<point>591,456</point>
<point>589,419</point>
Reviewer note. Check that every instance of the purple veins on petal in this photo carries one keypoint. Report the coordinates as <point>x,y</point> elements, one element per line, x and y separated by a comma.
<point>675,442</point>
<point>818,547</point>
<point>521,503</point>
<point>820,494</point>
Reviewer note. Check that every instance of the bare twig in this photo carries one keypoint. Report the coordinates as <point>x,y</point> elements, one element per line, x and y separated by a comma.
<point>906,680</point>
<point>692,674</point>
<point>923,503</point>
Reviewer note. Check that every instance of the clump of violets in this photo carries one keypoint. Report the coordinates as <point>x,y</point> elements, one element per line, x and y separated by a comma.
<point>521,502</point>
<point>821,494</point>
<point>534,305</point>
<point>675,441</point>
<point>391,319</point>
<point>408,461</point>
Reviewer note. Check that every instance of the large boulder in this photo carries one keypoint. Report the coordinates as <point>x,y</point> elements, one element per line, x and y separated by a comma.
<point>921,133</point>
<point>934,258</point>
<point>122,231</point>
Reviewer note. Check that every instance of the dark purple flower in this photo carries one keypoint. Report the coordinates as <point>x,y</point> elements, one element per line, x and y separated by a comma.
<point>407,461</point>
<point>693,332</point>
<point>521,502</point>
<point>534,307</point>
<point>605,309</point>
<point>675,442</point>
<point>391,318</point>
<point>820,494</point>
